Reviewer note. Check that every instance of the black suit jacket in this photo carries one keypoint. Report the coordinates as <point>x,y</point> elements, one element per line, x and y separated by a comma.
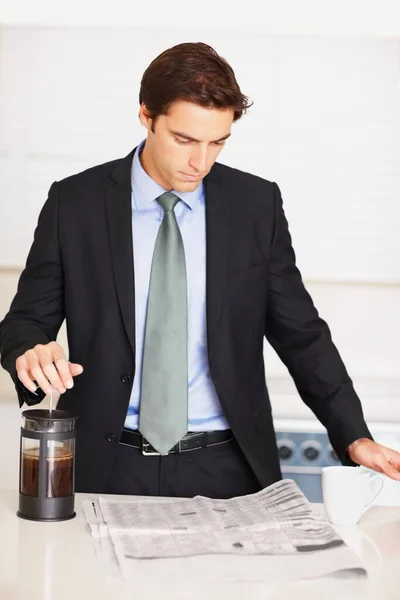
<point>80,267</point>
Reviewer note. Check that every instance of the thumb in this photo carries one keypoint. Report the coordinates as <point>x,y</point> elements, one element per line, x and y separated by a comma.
<point>75,369</point>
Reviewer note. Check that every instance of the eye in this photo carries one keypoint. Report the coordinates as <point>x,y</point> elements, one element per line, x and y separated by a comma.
<point>181,143</point>
<point>186,142</point>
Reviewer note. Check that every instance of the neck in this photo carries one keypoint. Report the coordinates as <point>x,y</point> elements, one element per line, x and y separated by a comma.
<point>148,165</point>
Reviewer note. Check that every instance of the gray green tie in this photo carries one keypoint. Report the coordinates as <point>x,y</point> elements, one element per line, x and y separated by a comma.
<point>163,417</point>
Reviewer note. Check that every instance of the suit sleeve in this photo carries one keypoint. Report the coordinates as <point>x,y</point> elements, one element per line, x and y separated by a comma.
<point>37,310</point>
<point>303,342</point>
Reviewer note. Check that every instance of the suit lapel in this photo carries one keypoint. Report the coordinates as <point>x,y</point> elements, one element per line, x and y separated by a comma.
<point>119,223</point>
<point>217,238</point>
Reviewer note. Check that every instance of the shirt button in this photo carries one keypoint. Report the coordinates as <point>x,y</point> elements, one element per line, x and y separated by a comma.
<point>111,437</point>
<point>125,378</point>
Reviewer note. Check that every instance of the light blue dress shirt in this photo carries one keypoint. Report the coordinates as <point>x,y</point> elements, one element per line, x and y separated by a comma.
<point>204,409</point>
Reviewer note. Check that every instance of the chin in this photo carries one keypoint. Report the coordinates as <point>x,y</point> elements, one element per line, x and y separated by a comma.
<point>186,187</point>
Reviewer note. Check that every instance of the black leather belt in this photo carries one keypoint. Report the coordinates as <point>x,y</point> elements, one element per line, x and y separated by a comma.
<point>191,441</point>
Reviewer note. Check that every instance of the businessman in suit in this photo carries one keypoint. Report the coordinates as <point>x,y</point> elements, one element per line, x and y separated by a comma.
<point>170,268</point>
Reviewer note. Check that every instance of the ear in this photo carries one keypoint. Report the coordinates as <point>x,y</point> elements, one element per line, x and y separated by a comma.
<point>145,117</point>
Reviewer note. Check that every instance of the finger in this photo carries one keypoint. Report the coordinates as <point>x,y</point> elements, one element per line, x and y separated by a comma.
<point>63,367</point>
<point>24,374</point>
<point>66,374</point>
<point>394,459</point>
<point>52,375</point>
<point>392,473</point>
<point>56,367</point>
<point>389,470</point>
<point>45,357</point>
<point>75,369</point>
<point>36,372</point>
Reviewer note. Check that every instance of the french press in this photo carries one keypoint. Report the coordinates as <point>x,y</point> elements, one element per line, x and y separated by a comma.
<point>47,465</point>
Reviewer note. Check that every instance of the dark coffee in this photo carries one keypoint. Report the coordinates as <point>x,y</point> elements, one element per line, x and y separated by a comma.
<point>59,473</point>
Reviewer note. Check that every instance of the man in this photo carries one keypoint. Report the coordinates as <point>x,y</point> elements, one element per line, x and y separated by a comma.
<point>170,268</point>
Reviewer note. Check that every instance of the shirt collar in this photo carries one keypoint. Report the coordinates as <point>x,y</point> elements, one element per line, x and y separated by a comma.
<point>146,190</point>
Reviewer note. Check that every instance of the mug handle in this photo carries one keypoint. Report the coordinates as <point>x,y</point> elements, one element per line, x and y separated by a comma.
<point>374,478</point>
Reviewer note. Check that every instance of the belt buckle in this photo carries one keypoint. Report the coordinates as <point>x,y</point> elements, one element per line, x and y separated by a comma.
<point>145,451</point>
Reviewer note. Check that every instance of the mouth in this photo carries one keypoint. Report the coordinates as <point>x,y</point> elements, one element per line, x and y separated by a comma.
<point>191,177</point>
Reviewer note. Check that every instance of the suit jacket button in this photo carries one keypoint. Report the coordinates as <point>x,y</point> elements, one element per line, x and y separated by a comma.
<point>125,378</point>
<point>111,437</point>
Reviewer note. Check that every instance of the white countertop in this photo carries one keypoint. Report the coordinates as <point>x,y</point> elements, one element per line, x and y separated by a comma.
<point>56,561</point>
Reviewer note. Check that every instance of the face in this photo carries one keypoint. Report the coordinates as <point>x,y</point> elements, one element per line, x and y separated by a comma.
<point>185,142</point>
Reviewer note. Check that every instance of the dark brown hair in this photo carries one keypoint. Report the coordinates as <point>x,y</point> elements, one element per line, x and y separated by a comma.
<point>193,72</point>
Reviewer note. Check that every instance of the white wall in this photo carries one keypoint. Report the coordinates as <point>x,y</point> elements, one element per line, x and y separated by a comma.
<point>320,17</point>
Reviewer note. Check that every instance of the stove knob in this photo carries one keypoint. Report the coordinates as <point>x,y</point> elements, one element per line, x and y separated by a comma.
<point>285,452</point>
<point>311,453</point>
<point>285,449</point>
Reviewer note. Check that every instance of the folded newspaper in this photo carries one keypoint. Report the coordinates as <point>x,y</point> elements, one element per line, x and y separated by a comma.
<point>277,521</point>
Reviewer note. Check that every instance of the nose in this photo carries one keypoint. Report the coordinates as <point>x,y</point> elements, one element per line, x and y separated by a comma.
<point>198,159</point>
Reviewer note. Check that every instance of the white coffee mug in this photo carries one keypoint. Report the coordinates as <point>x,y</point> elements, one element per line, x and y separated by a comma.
<point>348,493</point>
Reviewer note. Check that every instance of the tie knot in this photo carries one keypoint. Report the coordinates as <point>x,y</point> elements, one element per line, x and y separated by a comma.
<point>168,201</point>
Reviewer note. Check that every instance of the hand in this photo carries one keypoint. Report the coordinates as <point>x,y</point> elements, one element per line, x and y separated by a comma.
<point>375,456</point>
<point>44,364</point>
